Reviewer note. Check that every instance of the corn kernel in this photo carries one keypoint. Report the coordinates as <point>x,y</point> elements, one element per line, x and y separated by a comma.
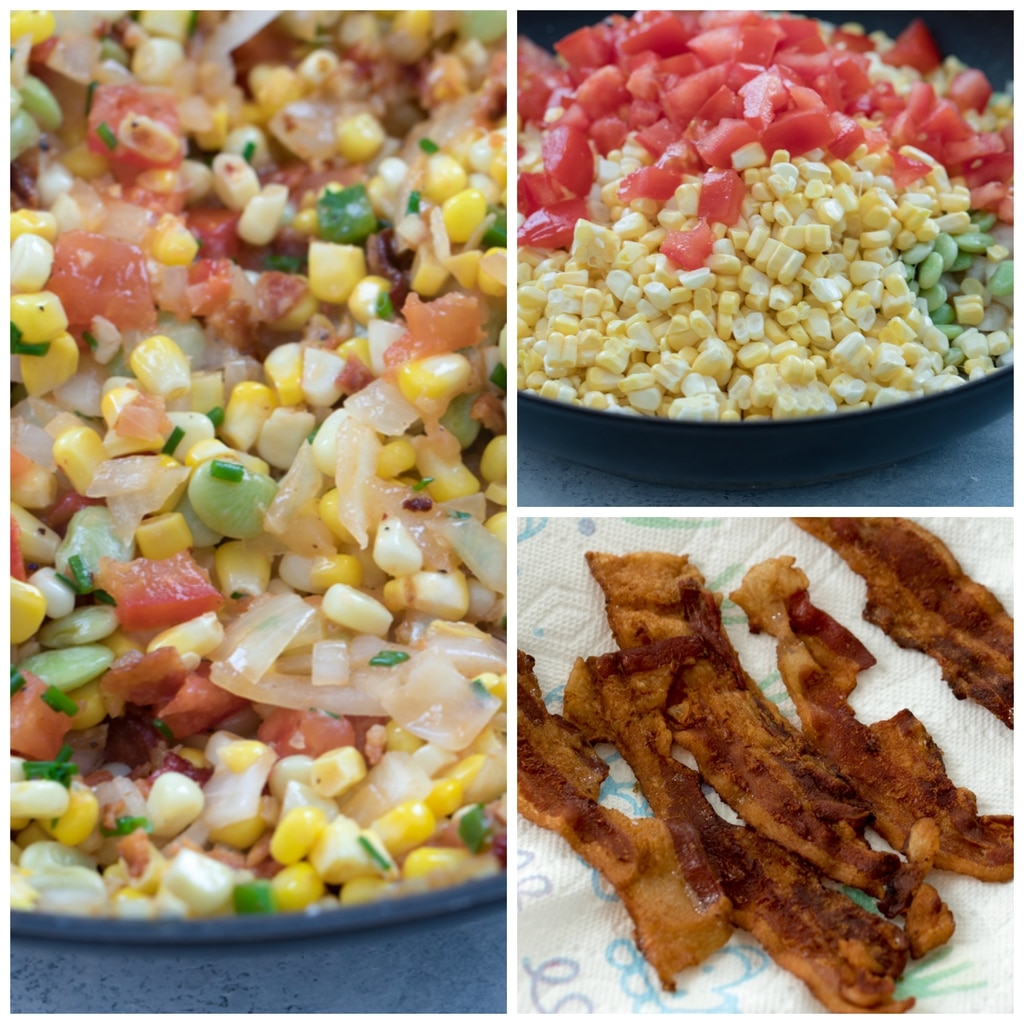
<point>401,739</point>
<point>296,887</point>
<point>395,458</point>
<point>360,137</point>
<point>45,373</point>
<point>79,452</point>
<point>362,303</point>
<point>337,771</point>
<point>171,243</point>
<point>335,270</point>
<point>240,834</point>
<point>445,798</point>
<point>75,825</point>
<point>434,379</point>
<point>28,609</point>
<point>362,890</point>
<point>39,316</point>
<point>463,213</point>
<point>162,536</point>
<point>328,570</point>
<point>444,595</point>
<point>161,367</point>
<point>296,833</point>
<point>248,408</point>
<point>428,859</point>
<point>40,25</point>
<point>346,606</point>
<point>34,222</point>
<point>197,637</point>
<point>467,769</point>
<point>404,827</point>
<point>91,709</point>
<point>240,755</point>
<point>444,178</point>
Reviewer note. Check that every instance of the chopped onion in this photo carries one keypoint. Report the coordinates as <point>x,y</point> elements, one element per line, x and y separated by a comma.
<point>357,448</point>
<point>134,486</point>
<point>480,550</point>
<point>306,127</point>
<point>121,789</point>
<point>33,442</point>
<point>232,796</point>
<point>393,780</point>
<point>237,28</point>
<point>330,663</point>
<point>382,406</point>
<point>299,485</point>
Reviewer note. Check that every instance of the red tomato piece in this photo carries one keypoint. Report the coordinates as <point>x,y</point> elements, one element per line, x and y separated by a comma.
<point>608,133</point>
<point>209,285</point>
<point>763,96</point>
<point>689,249</point>
<point>723,103</point>
<point>683,100</point>
<point>850,77</point>
<point>141,121</point>
<point>721,197</point>
<point>197,706</point>
<point>657,138</point>
<point>445,324</point>
<point>717,45</point>
<point>311,733</point>
<point>553,228</point>
<point>587,48</point>
<point>37,731</point>
<point>848,134</point>
<point>538,76</point>
<point>998,167</point>
<point>718,145</point>
<point>643,113</point>
<point>158,593</point>
<point>906,169</point>
<point>658,31</point>
<point>568,159</point>
<point>757,43</point>
<point>537,190</point>
<point>17,559</point>
<point>944,123</point>
<point>799,131</point>
<point>98,276</point>
<point>978,147</point>
<point>914,47</point>
<point>648,183</point>
<point>217,232</point>
<point>603,92</point>
<point>680,157</point>
<point>852,41</point>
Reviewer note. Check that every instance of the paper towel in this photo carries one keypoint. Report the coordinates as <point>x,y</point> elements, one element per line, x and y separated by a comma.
<point>575,948</point>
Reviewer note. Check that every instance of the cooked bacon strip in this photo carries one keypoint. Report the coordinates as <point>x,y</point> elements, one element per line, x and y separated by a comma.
<point>847,956</point>
<point>894,765</point>
<point>680,913</point>
<point>756,760</point>
<point>920,596</point>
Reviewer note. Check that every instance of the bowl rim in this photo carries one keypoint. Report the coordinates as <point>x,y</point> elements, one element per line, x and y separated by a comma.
<point>255,929</point>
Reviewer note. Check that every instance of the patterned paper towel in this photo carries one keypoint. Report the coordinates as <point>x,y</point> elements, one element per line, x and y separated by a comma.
<point>575,948</point>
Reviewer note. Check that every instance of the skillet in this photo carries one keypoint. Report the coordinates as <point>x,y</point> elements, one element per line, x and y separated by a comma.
<point>780,453</point>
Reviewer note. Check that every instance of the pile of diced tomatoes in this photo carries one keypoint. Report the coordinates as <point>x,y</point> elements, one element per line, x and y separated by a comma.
<point>693,87</point>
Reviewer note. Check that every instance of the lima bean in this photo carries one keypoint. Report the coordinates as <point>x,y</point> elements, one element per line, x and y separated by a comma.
<point>935,297</point>
<point>85,625</point>
<point>942,315</point>
<point>946,247</point>
<point>983,220</point>
<point>929,271</point>
<point>917,253</point>
<point>232,507</point>
<point>37,99</point>
<point>459,422</point>
<point>974,241</point>
<point>68,668</point>
<point>91,536</point>
<point>1001,281</point>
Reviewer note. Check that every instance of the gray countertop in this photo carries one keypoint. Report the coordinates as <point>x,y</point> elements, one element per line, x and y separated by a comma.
<point>973,470</point>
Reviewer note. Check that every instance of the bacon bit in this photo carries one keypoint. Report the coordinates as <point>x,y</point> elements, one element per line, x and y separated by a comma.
<point>232,858</point>
<point>375,744</point>
<point>133,740</point>
<point>489,410</point>
<point>97,777</point>
<point>135,850</point>
<point>173,762</point>
<point>110,814</point>
<point>354,377</point>
<point>420,503</point>
<point>277,294</point>
<point>258,858</point>
<point>382,260</point>
<point>137,678</point>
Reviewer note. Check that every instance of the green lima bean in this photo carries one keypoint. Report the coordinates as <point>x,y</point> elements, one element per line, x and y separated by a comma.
<point>68,668</point>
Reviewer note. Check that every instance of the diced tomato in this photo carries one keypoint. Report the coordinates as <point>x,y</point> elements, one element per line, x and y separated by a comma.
<point>944,123</point>
<point>799,131</point>
<point>657,138</point>
<point>198,705</point>
<point>906,169</point>
<point>689,249</point>
<point>721,197</point>
<point>209,285</point>
<point>719,144</point>
<point>977,147</point>
<point>852,41</point>
<point>94,275</point>
<point>993,168</point>
<point>683,101</point>
<point>587,48</point>
<point>915,48</point>
<point>311,733</point>
<point>538,189</point>
<point>643,113</point>
<point>141,121</point>
<point>603,92</point>
<point>568,158</point>
<point>658,31</point>
<point>996,196</point>
<point>553,228</point>
<point>217,232</point>
<point>70,502</point>
<point>37,731</point>
<point>850,77</point>
<point>648,183</point>
<point>848,134</point>
<point>762,97</point>
<point>723,103</point>
<point>680,157</point>
<point>158,593</point>
<point>757,43</point>
<point>17,559</point>
<point>608,133</point>
<point>445,324</point>
<point>807,66</point>
<point>717,45</point>
<point>538,76</point>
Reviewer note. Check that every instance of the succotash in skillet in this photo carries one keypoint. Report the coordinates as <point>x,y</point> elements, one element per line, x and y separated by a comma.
<point>729,215</point>
<point>258,471</point>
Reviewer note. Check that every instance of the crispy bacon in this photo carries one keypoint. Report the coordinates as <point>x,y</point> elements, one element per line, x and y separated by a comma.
<point>847,956</point>
<point>680,915</point>
<point>136,678</point>
<point>919,595</point>
<point>895,765</point>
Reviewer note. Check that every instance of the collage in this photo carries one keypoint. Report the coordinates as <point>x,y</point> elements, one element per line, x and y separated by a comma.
<point>756,466</point>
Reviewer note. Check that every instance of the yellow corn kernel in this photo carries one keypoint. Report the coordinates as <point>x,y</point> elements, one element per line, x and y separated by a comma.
<point>327,508</point>
<point>337,771</point>
<point>362,890</point>
<point>207,392</point>
<point>401,739</point>
<point>465,267</point>
<point>428,272</point>
<point>161,367</point>
<point>195,757</point>
<point>31,263</point>
<point>395,458</point>
<point>445,798</point>
<point>463,213</point>
<point>356,348</point>
<point>39,316</point>
<point>79,452</point>
<point>241,755</point>
<point>428,859</point>
<point>306,222</point>
<point>166,24</point>
<point>214,137</point>
<point>121,644</point>
<point>466,770</point>
<point>209,448</point>
<point>45,373</point>
<point>444,178</point>
<point>448,479</point>
<point>248,408</point>
<point>296,833</point>
<point>434,379</point>
<point>405,826</point>
<point>197,637</point>
<point>275,87</point>
<point>494,461</point>
<point>444,595</point>
<point>296,887</point>
<point>240,834</point>
<point>360,137</point>
<point>171,243</point>
<point>283,367</point>
<point>28,609</point>
<point>34,222</point>
<point>91,709</point>
<point>75,825</point>
<point>331,569</point>
<point>241,569</point>
<point>362,303</point>
<point>344,851</point>
<point>346,606</point>
<point>491,279</point>
<point>40,25</point>
<point>335,270</point>
<point>163,536</point>
<point>498,523</point>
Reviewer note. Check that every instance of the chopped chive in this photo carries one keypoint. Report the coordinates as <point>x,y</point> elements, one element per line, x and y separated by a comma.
<point>108,137</point>
<point>193,22</point>
<point>384,308</point>
<point>15,332</point>
<point>103,597</point>
<point>254,898</point>
<point>164,729</point>
<point>414,203</point>
<point>388,658</point>
<point>28,348</point>
<point>58,770</point>
<point>237,595</point>
<point>173,440</point>
<point>89,94</point>
<point>17,680</point>
<point>83,578</point>
<point>479,689</point>
<point>324,711</point>
<point>499,377</point>
<point>429,146</point>
<point>456,514</point>
<point>69,583</point>
<point>126,825</point>
<point>422,484</point>
<point>473,830</point>
<point>249,151</point>
<point>220,469</point>
<point>286,264</point>
<point>60,701</point>
<point>90,340</point>
<point>375,854</point>
<point>216,415</point>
